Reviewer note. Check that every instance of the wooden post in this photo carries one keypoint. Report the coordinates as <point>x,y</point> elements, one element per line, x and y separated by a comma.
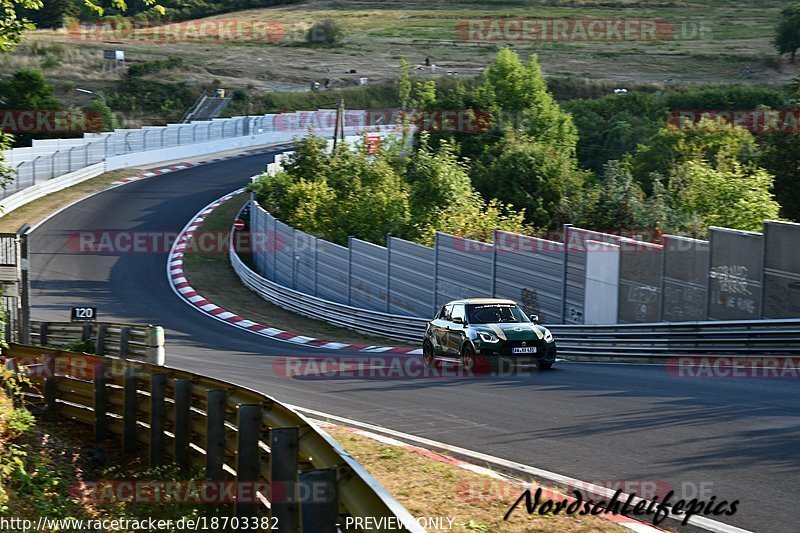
<point>49,362</point>
<point>320,500</point>
<point>158,385</point>
<point>124,335</point>
<point>283,471</point>
<point>43,333</point>
<point>215,434</point>
<point>100,402</point>
<point>129,412</point>
<point>100,343</point>
<point>248,463</point>
<point>183,392</point>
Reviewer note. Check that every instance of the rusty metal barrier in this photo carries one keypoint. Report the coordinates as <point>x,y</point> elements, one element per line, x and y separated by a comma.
<point>231,432</point>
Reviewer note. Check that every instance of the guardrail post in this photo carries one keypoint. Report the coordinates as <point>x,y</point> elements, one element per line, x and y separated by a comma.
<point>564,274</point>
<point>215,434</point>
<point>494,262</point>
<point>154,339</point>
<point>388,272</point>
<point>129,411</point>
<point>49,362</point>
<point>100,401</point>
<point>43,333</point>
<point>11,366</point>
<point>158,385</point>
<point>349,270</point>
<point>435,271</point>
<point>248,465</point>
<point>100,342</point>
<point>319,500</point>
<point>86,332</point>
<point>283,472</point>
<point>124,335</point>
<point>182,399</point>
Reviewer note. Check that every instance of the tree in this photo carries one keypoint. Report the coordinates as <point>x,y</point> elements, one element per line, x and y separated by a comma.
<point>727,194</point>
<point>534,176</point>
<point>517,94</point>
<point>11,29</point>
<point>326,31</point>
<point>787,36</point>
<point>528,159</point>
<point>782,159</point>
<point>674,145</point>
<point>442,198</point>
<point>347,192</point>
<point>614,125</point>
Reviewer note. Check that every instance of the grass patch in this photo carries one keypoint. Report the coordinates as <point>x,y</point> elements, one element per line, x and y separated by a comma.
<point>212,276</point>
<point>37,210</point>
<point>429,488</point>
<point>50,467</point>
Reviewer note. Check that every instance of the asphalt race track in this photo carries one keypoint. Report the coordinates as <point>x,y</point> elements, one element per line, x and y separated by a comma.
<point>731,438</point>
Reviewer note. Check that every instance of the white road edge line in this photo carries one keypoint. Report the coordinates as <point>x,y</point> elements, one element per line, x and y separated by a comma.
<point>697,521</point>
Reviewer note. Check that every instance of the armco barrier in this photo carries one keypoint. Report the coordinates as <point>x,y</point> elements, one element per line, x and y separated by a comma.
<point>402,328</point>
<point>141,343</point>
<point>29,194</point>
<point>657,341</point>
<point>233,433</point>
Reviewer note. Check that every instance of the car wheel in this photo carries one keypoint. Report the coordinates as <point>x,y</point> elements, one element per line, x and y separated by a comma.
<point>545,366</point>
<point>428,356</point>
<point>470,361</point>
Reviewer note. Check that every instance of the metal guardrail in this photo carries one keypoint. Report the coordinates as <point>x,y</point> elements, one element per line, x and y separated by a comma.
<point>117,340</point>
<point>397,327</point>
<point>659,340</point>
<point>217,426</point>
<point>707,338</point>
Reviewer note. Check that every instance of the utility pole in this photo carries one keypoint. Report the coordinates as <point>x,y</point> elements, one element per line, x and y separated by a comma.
<point>24,334</point>
<point>339,126</point>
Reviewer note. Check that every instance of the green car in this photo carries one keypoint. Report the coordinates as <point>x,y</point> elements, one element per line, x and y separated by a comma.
<point>482,333</point>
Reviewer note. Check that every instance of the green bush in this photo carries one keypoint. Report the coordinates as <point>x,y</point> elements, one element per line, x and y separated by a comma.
<point>151,67</point>
<point>326,32</point>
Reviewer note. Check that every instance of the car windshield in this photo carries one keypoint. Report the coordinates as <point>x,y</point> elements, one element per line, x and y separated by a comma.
<point>493,313</point>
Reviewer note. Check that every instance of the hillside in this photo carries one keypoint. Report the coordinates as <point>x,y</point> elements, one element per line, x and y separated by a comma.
<point>701,41</point>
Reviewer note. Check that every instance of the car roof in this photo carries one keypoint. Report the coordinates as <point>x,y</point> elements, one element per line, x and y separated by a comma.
<point>482,301</point>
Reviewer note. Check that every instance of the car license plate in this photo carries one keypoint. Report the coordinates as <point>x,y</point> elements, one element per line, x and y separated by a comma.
<point>528,349</point>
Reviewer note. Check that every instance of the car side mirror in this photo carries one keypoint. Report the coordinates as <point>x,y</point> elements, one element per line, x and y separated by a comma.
<point>534,319</point>
<point>458,320</point>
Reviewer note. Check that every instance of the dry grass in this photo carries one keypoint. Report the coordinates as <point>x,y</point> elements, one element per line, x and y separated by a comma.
<point>738,35</point>
<point>211,275</point>
<point>38,209</point>
<point>430,488</point>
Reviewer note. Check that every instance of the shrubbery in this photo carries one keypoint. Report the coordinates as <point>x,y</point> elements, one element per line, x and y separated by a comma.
<point>326,31</point>
<point>350,192</point>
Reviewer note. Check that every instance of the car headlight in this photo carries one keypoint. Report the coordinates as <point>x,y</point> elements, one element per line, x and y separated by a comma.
<point>488,337</point>
<point>548,337</point>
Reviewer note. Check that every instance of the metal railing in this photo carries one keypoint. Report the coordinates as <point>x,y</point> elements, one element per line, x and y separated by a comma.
<point>48,159</point>
<point>117,340</point>
<point>709,338</point>
<point>397,327</point>
<point>657,341</point>
<point>233,433</point>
